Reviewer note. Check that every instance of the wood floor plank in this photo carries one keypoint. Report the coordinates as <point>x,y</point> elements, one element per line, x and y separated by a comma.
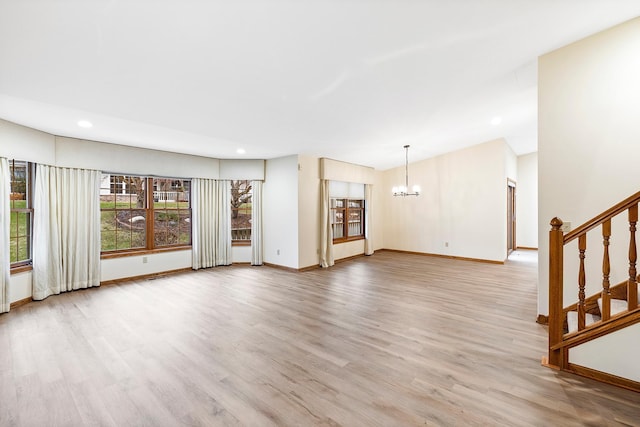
<point>391,339</point>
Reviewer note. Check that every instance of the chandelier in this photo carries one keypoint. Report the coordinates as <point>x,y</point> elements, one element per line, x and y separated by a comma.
<point>403,190</point>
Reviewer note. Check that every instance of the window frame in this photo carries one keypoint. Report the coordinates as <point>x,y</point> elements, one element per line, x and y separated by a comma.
<point>345,215</point>
<point>150,219</point>
<point>24,264</point>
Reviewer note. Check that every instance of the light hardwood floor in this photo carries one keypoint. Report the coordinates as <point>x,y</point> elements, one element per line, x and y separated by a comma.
<point>387,340</point>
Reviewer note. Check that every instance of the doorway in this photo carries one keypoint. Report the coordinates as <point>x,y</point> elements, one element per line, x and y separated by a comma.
<point>511,216</point>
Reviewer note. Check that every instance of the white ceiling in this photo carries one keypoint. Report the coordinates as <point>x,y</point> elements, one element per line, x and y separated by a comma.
<point>353,80</point>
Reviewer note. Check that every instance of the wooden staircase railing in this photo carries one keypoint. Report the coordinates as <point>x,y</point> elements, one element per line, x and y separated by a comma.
<point>561,340</point>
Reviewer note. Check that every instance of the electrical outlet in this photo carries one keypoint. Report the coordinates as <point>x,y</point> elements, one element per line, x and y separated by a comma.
<point>446,244</point>
<point>278,252</point>
<point>144,260</point>
<point>566,227</point>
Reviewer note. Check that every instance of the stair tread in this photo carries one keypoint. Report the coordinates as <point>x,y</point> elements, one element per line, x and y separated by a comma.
<point>572,320</point>
<point>617,305</point>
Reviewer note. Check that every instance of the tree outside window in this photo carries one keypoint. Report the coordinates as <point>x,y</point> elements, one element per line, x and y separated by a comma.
<point>241,193</point>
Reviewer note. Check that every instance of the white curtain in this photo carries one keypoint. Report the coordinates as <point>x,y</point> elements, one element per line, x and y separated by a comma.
<point>223,223</point>
<point>203,223</point>
<point>66,235</point>
<point>326,233</point>
<point>368,242</point>
<point>256,223</point>
<point>5,220</point>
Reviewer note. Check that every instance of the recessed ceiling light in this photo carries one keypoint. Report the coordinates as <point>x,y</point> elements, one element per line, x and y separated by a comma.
<point>241,151</point>
<point>496,120</point>
<point>85,124</point>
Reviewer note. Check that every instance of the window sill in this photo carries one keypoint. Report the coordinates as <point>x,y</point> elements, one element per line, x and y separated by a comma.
<point>347,240</point>
<point>123,254</point>
<point>241,243</point>
<point>21,269</point>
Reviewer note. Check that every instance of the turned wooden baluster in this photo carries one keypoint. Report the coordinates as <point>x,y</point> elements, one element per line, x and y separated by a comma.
<point>632,287</point>
<point>606,269</point>
<point>582,247</point>
<point>556,314</point>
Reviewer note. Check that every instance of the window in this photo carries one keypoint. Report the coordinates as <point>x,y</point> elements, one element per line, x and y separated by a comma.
<point>172,212</point>
<point>127,207</point>
<point>347,219</point>
<point>241,212</point>
<point>21,212</point>
<point>123,212</point>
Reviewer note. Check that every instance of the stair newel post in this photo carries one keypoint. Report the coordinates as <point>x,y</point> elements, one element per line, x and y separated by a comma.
<point>632,287</point>
<point>556,300</point>
<point>606,269</point>
<point>582,247</point>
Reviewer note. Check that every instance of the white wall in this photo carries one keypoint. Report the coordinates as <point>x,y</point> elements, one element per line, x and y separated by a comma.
<point>308,211</point>
<point>601,356</point>
<point>589,99</point>
<point>235,169</point>
<point>19,142</point>
<point>280,211</point>
<point>463,204</point>
<point>76,153</point>
<point>348,249</point>
<point>132,266</point>
<point>22,143</point>
<point>379,198</point>
<point>510,164</point>
<point>527,201</point>
<point>20,286</point>
<point>241,254</point>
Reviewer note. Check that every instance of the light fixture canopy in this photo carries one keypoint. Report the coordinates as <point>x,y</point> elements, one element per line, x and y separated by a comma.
<point>403,190</point>
<point>85,124</point>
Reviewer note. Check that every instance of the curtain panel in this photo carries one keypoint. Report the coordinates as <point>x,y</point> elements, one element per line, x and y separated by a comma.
<point>5,221</point>
<point>203,220</point>
<point>223,223</point>
<point>66,237</point>
<point>326,233</point>
<point>256,223</point>
<point>368,242</point>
